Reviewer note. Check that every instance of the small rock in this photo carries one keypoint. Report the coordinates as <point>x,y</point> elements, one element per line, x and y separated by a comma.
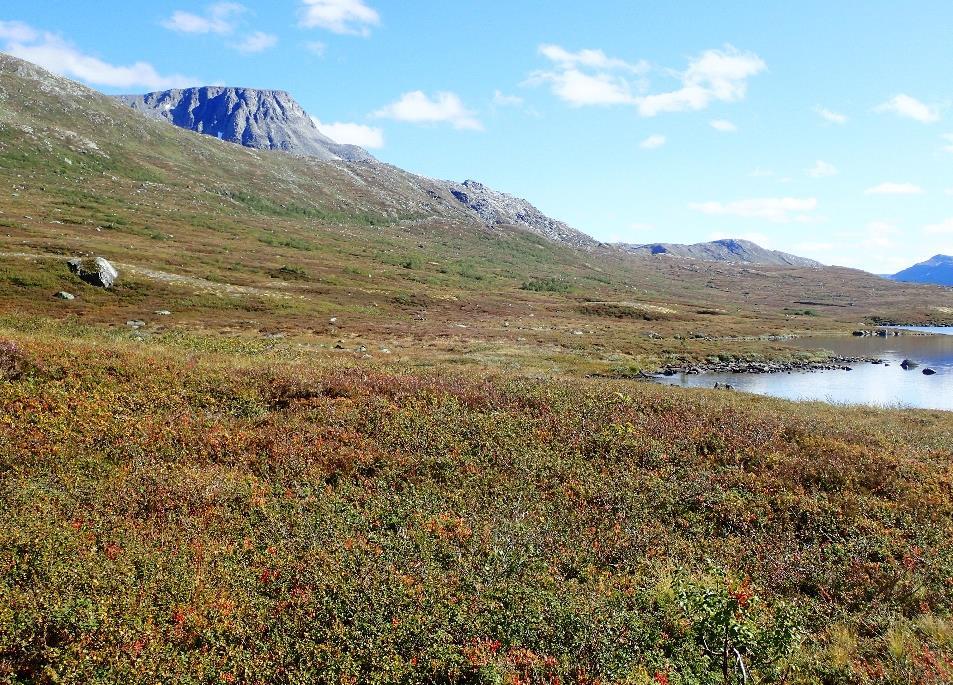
<point>929,372</point>
<point>163,312</point>
<point>907,364</point>
<point>63,295</point>
<point>135,323</point>
<point>97,272</point>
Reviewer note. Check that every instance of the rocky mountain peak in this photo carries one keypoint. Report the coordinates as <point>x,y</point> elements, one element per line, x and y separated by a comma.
<point>260,119</point>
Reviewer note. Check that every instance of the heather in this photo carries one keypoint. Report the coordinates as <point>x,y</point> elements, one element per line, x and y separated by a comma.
<point>181,512</point>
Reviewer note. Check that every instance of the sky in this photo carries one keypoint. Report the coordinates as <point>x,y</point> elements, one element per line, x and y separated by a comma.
<point>819,128</point>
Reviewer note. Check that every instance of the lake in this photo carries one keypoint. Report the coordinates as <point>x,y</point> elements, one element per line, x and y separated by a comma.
<point>870,384</point>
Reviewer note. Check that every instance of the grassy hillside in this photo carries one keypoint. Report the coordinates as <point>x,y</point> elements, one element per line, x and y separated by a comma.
<point>175,514</point>
<point>246,242</point>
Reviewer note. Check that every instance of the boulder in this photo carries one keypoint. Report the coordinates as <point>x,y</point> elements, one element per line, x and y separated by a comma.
<point>906,364</point>
<point>97,272</point>
<point>929,372</point>
<point>63,295</point>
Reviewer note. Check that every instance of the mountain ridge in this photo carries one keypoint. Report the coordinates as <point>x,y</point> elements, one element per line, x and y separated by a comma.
<point>938,270</point>
<point>733,250</point>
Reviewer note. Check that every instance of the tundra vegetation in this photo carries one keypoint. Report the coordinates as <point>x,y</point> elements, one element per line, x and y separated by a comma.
<point>324,429</point>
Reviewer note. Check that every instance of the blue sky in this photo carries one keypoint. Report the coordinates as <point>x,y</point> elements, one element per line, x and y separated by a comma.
<point>820,128</point>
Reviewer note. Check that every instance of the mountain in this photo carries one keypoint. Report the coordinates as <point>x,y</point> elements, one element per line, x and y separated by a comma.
<point>260,119</point>
<point>937,270</point>
<point>729,250</point>
<point>500,209</point>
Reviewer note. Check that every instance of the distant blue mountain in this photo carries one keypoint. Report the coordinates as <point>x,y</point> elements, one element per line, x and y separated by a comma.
<point>938,271</point>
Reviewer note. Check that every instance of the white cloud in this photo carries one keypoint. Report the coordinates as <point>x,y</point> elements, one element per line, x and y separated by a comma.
<point>352,134</point>
<point>822,169</point>
<point>257,42</point>
<point>891,188</point>
<point>715,75</point>
<point>17,31</point>
<point>942,228</point>
<point>353,17</point>
<point>780,210</point>
<point>220,18</point>
<point>501,99</point>
<point>829,116</point>
<point>879,234</point>
<point>653,142</point>
<point>948,145</point>
<point>724,126</point>
<point>594,59</point>
<point>910,108</point>
<point>580,89</point>
<point>588,77</point>
<point>418,108</point>
<point>52,52</point>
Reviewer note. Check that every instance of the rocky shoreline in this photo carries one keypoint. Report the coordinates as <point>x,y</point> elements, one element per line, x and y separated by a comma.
<point>830,364</point>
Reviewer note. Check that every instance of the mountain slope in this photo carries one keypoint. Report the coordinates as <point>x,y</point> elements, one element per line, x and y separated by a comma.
<point>496,208</point>
<point>937,271</point>
<point>729,250</point>
<point>260,119</point>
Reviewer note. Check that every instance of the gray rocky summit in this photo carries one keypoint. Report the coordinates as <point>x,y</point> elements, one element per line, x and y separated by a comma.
<point>500,209</point>
<point>729,250</point>
<point>260,119</point>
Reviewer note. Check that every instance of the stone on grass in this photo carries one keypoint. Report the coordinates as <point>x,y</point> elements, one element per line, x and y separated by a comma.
<point>97,272</point>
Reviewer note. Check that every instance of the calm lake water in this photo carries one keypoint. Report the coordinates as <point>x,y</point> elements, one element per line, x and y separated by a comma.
<point>870,384</point>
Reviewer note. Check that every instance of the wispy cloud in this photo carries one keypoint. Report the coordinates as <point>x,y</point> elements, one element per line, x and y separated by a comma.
<point>941,228</point>
<point>724,126</point>
<point>781,210</point>
<point>822,169</point>
<point>653,142</point>
<point>419,108</point>
<point>219,18</point>
<point>830,116</point>
<point>594,59</point>
<point>259,41</point>
<point>350,17</point>
<point>54,53</point>
<point>501,99</point>
<point>948,142</point>
<point>713,76</point>
<point>910,108</point>
<point>893,188</point>
<point>17,31</point>
<point>352,134</point>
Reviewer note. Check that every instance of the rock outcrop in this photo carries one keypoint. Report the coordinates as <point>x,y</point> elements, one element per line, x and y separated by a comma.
<point>260,119</point>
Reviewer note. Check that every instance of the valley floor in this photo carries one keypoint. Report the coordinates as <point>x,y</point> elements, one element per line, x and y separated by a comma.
<point>204,510</point>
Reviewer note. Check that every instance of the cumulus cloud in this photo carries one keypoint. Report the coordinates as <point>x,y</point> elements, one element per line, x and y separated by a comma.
<point>910,108</point>
<point>259,41</point>
<point>713,76</point>
<point>352,134</point>
<point>781,210</point>
<point>724,126</point>
<point>54,53</point>
<point>830,116</point>
<point>822,169</point>
<point>892,188</point>
<point>587,77</point>
<point>419,108</point>
<point>353,17</point>
<point>219,18</point>
<point>653,142</point>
